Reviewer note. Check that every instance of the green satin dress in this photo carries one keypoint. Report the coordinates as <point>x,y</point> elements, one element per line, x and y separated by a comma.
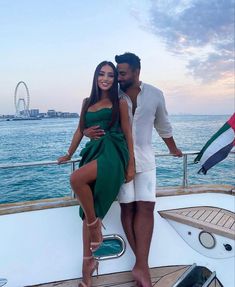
<point>112,157</point>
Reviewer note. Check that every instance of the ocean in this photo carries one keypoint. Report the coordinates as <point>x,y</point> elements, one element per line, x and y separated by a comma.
<point>48,139</point>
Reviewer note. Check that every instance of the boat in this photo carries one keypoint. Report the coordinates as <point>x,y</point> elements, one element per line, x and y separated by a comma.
<point>193,240</point>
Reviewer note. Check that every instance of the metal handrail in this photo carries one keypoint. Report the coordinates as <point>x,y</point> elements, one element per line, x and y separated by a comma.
<point>74,161</point>
<point>36,163</point>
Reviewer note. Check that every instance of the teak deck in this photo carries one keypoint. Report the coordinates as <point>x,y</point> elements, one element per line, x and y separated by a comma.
<point>211,219</point>
<point>161,277</point>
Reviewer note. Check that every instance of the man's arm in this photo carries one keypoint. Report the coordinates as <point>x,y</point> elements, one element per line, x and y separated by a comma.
<point>93,132</point>
<point>170,142</point>
<point>163,127</point>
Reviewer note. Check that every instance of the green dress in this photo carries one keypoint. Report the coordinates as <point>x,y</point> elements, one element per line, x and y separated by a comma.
<point>112,157</point>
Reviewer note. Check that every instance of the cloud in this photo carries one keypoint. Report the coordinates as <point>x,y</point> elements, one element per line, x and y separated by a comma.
<point>213,68</point>
<point>201,31</point>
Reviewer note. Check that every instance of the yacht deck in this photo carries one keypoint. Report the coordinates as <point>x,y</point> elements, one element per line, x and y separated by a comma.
<point>161,277</point>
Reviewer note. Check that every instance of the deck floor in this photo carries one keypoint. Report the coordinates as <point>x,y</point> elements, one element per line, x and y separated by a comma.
<point>212,219</point>
<point>161,277</point>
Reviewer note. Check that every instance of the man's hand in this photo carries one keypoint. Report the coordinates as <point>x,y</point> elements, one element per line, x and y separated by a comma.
<point>176,152</point>
<point>130,172</point>
<point>94,132</point>
<point>170,142</point>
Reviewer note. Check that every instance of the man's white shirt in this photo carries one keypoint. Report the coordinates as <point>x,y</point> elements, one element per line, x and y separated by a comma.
<point>150,112</point>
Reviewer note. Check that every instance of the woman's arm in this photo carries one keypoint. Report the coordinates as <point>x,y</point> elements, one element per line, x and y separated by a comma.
<point>126,128</point>
<point>77,137</point>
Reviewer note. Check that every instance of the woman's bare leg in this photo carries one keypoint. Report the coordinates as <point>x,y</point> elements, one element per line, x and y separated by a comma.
<point>86,240</point>
<point>89,263</point>
<point>80,180</point>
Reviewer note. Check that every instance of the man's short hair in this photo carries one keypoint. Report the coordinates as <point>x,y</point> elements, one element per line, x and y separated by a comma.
<point>129,58</point>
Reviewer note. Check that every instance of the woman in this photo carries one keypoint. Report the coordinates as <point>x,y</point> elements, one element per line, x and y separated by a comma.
<point>106,162</point>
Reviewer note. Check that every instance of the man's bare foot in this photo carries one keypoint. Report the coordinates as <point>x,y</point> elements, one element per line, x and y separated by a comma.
<point>142,277</point>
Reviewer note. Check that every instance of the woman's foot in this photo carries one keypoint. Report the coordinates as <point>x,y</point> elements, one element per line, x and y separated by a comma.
<point>96,236</point>
<point>90,264</point>
<point>142,277</point>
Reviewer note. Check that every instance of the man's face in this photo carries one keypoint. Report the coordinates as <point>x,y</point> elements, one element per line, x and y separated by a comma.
<point>126,77</point>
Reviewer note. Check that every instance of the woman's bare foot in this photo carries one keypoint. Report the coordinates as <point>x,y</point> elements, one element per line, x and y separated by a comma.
<point>142,277</point>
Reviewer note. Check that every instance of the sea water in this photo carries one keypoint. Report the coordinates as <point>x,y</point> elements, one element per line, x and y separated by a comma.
<point>48,139</point>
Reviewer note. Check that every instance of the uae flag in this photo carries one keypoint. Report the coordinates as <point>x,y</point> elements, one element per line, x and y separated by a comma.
<point>218,146</point>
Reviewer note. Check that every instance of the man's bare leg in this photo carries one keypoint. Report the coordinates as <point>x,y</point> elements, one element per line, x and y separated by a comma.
<point>138,220</point>
<point>128,211</point>
<point>143,230</point>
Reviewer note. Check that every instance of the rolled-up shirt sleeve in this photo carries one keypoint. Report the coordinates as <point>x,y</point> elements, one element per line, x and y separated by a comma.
<point>161,122</point>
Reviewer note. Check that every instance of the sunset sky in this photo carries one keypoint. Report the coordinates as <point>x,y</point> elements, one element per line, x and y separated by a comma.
<point>186,49</point>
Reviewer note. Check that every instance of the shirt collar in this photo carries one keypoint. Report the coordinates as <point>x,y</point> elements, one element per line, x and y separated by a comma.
<point>123,93</point>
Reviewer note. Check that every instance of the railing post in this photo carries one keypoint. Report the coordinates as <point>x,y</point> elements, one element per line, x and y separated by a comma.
<point>72,170</point>
<point>185,170</point>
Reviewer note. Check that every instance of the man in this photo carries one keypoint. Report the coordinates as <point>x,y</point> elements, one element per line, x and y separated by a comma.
<point>137,198</point>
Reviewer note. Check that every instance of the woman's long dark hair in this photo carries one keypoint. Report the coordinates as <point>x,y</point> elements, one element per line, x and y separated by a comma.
<point>95,95</point>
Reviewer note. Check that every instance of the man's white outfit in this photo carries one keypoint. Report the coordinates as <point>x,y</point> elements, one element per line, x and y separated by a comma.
<point>150,112</point>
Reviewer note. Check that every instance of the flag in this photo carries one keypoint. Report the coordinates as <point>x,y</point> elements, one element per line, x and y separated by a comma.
<point>218,146</point>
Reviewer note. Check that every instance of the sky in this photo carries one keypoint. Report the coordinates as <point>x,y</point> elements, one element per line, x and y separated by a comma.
<point>186,49</point>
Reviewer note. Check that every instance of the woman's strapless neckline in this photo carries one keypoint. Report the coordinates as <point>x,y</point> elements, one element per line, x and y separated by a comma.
<point>99,110</point>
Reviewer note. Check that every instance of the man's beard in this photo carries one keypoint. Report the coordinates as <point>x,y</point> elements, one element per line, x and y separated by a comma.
<point>126,85</point>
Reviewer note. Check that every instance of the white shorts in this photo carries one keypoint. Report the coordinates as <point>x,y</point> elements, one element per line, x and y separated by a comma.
<point>141,188</point>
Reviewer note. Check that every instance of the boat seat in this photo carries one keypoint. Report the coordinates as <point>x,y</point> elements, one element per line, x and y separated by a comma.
<point>211,219</point>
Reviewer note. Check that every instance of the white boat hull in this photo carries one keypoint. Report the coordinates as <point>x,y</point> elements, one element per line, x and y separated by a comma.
<point>45,245</point>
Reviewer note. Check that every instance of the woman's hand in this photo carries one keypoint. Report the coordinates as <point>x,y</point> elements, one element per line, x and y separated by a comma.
<point>130,172</point>
<point>63,158</point>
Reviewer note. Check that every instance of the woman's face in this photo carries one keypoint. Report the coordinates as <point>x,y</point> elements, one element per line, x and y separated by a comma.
<point>105,78</point>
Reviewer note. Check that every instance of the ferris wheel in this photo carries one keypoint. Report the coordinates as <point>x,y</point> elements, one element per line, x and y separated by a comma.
<point>21,100</point>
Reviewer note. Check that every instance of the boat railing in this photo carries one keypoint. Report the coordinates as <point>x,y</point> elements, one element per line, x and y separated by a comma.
<point>185,164</point>
<point>73,162</point>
